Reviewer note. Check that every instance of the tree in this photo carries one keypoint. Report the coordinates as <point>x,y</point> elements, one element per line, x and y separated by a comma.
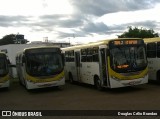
<point>138,33</point>
<point>12,39</point>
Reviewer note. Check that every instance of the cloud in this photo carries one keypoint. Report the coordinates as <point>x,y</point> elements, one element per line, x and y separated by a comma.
<point>146,24</point>
<point>65,21</point>
<point>119,29</point>
<point>99,8</point>
<point>8,21</point>
<point>65,35</point>
<point>79,27</point>
<point>86,11</point>
<point>99,28</point>
<point>83,22</point>
<point>102,29</point>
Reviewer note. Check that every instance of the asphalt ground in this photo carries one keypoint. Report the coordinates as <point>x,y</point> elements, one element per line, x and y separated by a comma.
<point>82,97</point>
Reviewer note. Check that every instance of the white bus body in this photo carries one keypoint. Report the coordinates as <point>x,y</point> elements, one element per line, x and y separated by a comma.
<point>153,56</point>
<point>40,67</point>
<point>94,63</point>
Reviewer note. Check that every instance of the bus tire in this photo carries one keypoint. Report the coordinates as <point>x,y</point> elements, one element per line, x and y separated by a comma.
<point>71,78</point>
<point>98,83</point>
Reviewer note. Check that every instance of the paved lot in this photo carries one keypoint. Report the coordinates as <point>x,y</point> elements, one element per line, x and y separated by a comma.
<point>81,97</point>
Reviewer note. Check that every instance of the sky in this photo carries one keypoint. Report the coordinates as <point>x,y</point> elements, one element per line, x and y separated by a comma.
<point>76,21</point>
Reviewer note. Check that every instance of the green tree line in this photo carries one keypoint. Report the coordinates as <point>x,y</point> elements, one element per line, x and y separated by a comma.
<point>138,33</point>
<point>12,39</point>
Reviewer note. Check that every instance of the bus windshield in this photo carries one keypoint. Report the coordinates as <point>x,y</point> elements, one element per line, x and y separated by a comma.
<point>44,63</point>
<point>3,66</point>
<point>128,58</point>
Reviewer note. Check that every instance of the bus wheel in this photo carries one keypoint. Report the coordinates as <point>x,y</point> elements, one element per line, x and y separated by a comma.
<point>71,78</point>
<point>98,83</point>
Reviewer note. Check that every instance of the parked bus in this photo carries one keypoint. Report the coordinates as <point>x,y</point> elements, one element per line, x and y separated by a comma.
<point>109,63</point>
<point>153,56</point>
<point>4,71</point>
<point>40,67</point>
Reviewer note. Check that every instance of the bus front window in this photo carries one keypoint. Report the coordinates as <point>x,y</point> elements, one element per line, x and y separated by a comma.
<point>128,59</point>
<point>44,64</point>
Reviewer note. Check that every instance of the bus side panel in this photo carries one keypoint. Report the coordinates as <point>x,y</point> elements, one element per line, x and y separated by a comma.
<point>92,69</point>
<point>22,73</point>
<point>88,71</point>
<point>83,72</point>
<point>70,68</point>
<point>153,67</point>
<point>66,72</point>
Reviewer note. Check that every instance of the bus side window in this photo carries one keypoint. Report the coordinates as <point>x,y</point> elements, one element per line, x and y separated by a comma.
<point>95,55</point>
<point>158,49</point>
<point>89,55</point>
<point>151,50</point>
<point>83,55</point>
<point>69,56</point>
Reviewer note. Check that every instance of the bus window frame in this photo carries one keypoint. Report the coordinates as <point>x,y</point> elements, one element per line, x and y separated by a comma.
<point>83,55</point>
<point>95,55</point>
<point>151,52</point>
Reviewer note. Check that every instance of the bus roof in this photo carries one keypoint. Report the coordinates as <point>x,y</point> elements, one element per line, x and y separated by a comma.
<point>94,44</point>
<point>41,47</point>
<point>36,47</point>
<point>150,40</point>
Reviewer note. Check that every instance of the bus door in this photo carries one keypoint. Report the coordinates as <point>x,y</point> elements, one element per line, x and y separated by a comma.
<point>103,67</point>
<point>78,65</point>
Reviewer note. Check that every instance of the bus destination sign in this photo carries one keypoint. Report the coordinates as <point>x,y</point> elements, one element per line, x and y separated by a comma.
<point>125,42</point>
